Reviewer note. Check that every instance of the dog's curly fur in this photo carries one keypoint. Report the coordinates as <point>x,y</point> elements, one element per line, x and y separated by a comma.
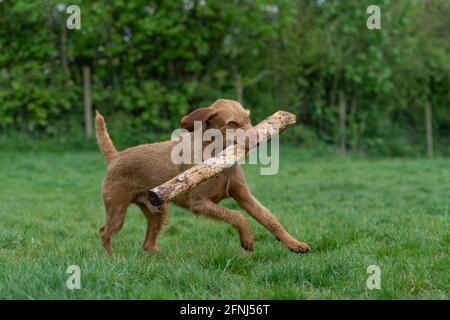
<point>133,172</point>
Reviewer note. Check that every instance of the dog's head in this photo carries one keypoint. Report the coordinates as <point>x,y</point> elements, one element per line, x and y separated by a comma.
<point>222,114</point>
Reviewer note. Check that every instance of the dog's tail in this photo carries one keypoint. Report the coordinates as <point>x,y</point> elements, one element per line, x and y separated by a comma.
<point>103,139</point>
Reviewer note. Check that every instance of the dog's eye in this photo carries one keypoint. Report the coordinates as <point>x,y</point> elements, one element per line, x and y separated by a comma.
<point>232,124</point>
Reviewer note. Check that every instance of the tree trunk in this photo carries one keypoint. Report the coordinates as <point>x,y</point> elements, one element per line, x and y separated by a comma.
<point>63,49</point>
<point>52,43</point>
<point>239,89</point>
<point>87,101</point>
<point>429,129</point>
<point>342,123</point>
<point>334,87</point>
<point>234,153</point>
<point>353,130</point>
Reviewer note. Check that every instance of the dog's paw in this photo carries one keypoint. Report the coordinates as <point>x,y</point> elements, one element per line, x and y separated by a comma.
<point>298,247</point>
<point>151,249</point>
<point>247,244</point>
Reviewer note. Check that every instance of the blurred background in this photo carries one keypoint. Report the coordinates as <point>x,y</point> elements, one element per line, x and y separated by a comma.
<point>144,64</point>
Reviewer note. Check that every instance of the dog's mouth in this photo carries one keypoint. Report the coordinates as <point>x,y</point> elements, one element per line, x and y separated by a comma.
<point>248,138</point>
<point>251,138</point>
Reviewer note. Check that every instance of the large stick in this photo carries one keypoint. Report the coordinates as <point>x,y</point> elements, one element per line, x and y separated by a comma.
<point>231,155</point>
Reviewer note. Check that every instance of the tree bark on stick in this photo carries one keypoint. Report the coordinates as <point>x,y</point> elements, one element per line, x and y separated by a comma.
<point>429,129</point>
<point>87,101</point>
<point>231,155</point>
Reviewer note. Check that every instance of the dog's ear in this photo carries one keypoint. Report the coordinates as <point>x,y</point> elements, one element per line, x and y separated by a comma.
<point>201,114</point>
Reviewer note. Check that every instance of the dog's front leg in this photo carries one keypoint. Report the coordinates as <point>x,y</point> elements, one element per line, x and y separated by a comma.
<point>235,218</point>
<point>249,203</point>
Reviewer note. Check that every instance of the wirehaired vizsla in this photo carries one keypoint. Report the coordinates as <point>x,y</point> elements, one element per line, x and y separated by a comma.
<point>133,172</point>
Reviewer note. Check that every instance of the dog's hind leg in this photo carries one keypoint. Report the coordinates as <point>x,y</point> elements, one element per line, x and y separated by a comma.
<point>116,200</point>
<point>156,219</point>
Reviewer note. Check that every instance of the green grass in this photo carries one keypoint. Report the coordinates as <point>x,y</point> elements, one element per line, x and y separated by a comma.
<point>353,213</point>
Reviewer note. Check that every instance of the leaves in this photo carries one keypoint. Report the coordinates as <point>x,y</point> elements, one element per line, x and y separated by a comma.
<point>153,61</point>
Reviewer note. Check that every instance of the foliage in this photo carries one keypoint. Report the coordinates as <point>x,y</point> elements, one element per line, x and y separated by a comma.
<point>153,61</point>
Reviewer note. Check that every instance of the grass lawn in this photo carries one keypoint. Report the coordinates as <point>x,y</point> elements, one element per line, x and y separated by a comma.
<point>353,213</point>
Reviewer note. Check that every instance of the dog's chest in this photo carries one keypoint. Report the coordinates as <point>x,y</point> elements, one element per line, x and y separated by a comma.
<point>217,187</point>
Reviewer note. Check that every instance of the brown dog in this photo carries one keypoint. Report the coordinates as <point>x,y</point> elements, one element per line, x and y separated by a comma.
<point>133,172</point>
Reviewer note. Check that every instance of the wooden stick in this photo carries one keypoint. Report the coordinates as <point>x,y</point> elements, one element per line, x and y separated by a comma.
<point>231,155</point>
